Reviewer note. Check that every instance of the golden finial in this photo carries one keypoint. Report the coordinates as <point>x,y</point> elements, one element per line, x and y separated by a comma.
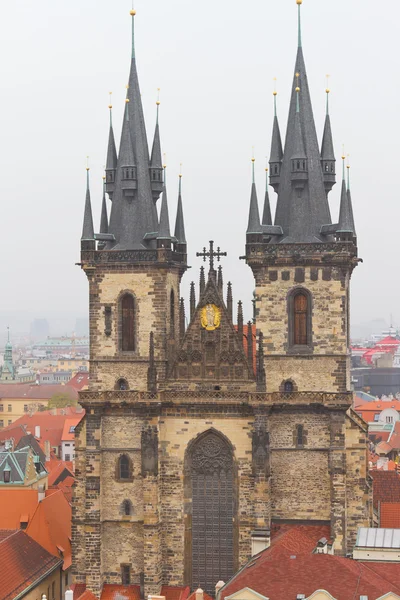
<point>348,161</point>
<point>87,164</point>
<point>127,100</point>
<point>343,153</point>
<point>275,93</point>
<point>158,97</point>
<point>133,11</point>
<point>110,105</point>
<point>327,84</point>
<point>180,170</point>
<point>165,160</point>
<point>252,155</point>
<point>299,1</point>
<point>297,86</point>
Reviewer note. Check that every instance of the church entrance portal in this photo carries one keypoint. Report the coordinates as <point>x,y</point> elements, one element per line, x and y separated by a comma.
<point>210,470</point>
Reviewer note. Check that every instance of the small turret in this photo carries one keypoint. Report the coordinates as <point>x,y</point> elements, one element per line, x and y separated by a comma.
<point>111,164</point>
<point>126,161</point>
<point>275,161</point>
<point>299,162</point>
<point>240,320</point>
<point>254,228</point>
<point>229,301</point>
<point>267,217</point>
<point>156,168</point>
<point>328,160</point>
<point>182,319</point>
<point>346,229</point>
<point>164,232</point>
<point>87,239</point>
<point>181,245</point>
<point>192,300</point>
<point>103,218</point>
<point>202,281</point>
<point>220,281</point>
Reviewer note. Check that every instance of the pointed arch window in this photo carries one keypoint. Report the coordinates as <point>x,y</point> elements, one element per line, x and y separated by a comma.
<point>300,320</point>
<point>124,468</point>
<point>128,323</point>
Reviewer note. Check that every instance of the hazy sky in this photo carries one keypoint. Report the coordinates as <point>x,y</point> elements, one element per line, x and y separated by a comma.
<point>215,62</point>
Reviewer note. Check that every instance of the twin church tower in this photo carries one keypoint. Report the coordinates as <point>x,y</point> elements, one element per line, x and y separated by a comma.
<point>198,439</point>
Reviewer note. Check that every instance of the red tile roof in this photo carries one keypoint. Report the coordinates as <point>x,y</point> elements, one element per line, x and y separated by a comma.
<point>87,595</point>
<point>67,435</point>
<point>78,589</point>
<point>12,432</point>
<point>205,595</point>
<point>394,439</point>
<point>5,533</point>
<point>390,515</point>
<point>388,341</point>
<point>284,571</point>
<point>120,592</point>
<point>383,448</point>
<point>23,562</point>
<point>58,470</point>
<point>80,381</point>
<point>175,592</point>
<point>385,486</point>
<point>15,504</point>
<point>50,526</point>
<point>35,392</point>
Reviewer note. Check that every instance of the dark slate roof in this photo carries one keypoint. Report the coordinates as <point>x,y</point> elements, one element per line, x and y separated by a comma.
<point>346,220</point>
<point>327,151</point>
<point>254,225</point>
<point>156,157</point>
<point>104,217</point>
<point>301,218</point>
<point>164,231</point>
<point>88,229</point>
<point>29,440</point>
<point>112,150</point>
<point>267,218</point>
<point>180,223</point>
<point>276,144</point>
<point>134,217</point>
<point>16,463</point>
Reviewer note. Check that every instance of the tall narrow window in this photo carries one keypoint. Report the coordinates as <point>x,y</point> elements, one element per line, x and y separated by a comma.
<point>300,307</point>
<point>299,435</point>
<point>124,467</point>
<point>172,313</point>
<point>126,574</point>
<point>128,323</point>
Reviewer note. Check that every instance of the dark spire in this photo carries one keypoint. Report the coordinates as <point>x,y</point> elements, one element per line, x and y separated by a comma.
<point>254,225</point>
<point>182,320</point>
<point>250,345</point>
<point>267,218</point>
<point>240,320</point>
<point>260,375</point>
<point>112,159</point>
<point>302,206</point>
<point>133,219</point>
<point>220,281</point>
<point>164,232</point>
<point>179,223</point>
<point>346,227</point>
<point>192,300</point>
<point>350,200</point>
<point>327,152</point>
<point>104,217</point>
<point>152,370</point>
<point>275,160</point>
<point>156,167</point>
<point>229,301</point>
<point>88,229</point>
<point>202,281</point>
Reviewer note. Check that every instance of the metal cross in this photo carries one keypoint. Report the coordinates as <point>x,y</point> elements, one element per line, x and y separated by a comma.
<point>211,254</point>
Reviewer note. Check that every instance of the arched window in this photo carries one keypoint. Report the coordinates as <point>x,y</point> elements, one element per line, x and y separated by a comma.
<point>128,323</point>
<point>172,313</point>
<point>300,306</point>
<point>124,467</point>
<point>122,385</point>
<point>288,386</point>
<point>127,508</point>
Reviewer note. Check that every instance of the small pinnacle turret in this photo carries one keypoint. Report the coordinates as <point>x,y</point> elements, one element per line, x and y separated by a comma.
<point>156,168</point>
<point>346,228</point>
<point>328,160</point>
<point>87,238</point>
<point>104,216</point>
<point>164,232</point>
<point>267,217</point>
<point>112,159</point>
<point>275,160</point>
<point>254,224</point>
<point>180,235</point>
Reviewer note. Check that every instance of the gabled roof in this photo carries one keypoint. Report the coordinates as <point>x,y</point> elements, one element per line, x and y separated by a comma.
<point>68,433</point>
<point>50,526</point>
<point>12,432</point>
<point>58,471</point>
<point>31,391</point>
<point>23,563</point>
<point>385,487</point>
<point>175,592</point>
<point>15,504</point>
<point>389,515</point>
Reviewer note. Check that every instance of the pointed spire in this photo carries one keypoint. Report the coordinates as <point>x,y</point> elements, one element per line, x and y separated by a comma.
<point>152,370</point>
<point>202,281</point>
<point>156,168</point>
<point>260,375</point>
<point>180,223</point>
<point>299,3</point>
<point>192,300</point>
<point>104,217</point>
<point>220,281</point>
<point>350,200</point>
<point>240,320</point>
<point>182,319</point>
<point>298,150</point>
<point>328,160</point>
<point>254,225</point>
<point>250,345</point>
<point>133,13</point>
<point>276,155</point>
<point>229,301</point>
<point>267,217</point>
<point>88,229</point>
<point>346,220</point>
<point>164,232</point>
<point>112,159</point>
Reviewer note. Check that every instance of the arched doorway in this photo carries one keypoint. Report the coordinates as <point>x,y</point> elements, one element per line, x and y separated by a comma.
<point>210,490</point>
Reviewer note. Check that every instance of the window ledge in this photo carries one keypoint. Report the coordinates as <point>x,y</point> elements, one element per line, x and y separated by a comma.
<point>300,350</point>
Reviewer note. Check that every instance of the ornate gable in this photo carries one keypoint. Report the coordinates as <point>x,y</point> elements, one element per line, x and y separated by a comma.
<point>211,350</point>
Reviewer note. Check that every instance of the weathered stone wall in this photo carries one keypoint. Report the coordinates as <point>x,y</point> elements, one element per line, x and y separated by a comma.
<point>326,366</point>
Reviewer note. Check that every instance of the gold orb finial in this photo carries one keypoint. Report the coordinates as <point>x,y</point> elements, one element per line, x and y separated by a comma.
<point>297,89</point>
<point>104,177</point>
<point>266,169</point>
<point>253,159</point>
<point>299,2</point>
<point>132,12</point>
<point>127,100</point>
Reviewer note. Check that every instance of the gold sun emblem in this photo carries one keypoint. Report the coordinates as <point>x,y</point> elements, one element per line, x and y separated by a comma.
<point>210,317</point>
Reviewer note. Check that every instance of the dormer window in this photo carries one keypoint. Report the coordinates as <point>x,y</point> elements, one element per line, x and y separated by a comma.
<point>7,475</point>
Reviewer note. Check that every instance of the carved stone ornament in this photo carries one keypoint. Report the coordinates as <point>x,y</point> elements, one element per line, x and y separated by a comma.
<point>210,317</point>
<point>149,452</point>
<point>260,452</point>
<point>211,455</point>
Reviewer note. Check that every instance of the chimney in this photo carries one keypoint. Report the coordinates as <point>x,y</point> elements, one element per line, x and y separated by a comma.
<point>47,450</point>
<point>199,594</point>
<point>218,587</point>
<point>37,432</point>
<point>69,595</point>
<point>41,493</point>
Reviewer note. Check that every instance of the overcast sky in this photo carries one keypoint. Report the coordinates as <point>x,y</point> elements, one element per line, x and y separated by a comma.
<point>215,62</point>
